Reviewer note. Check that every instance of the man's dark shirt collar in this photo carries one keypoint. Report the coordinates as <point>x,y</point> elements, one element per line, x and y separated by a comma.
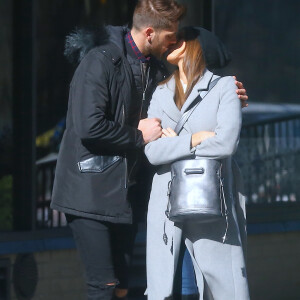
<point>131,45</point>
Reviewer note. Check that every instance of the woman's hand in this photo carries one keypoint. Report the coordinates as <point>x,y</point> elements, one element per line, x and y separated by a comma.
<point>169,132</point>
<point>199,137</point>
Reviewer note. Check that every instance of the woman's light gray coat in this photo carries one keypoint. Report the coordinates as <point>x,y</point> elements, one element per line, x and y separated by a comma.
<point>220,268</point>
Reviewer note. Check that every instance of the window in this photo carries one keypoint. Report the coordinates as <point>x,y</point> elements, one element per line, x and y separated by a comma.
<point>263,39</point>
<point>6,123</point>
<point>262,36</point>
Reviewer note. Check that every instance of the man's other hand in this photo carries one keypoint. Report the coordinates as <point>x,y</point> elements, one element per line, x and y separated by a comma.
<point>151,129</point>
<point>241,91</point>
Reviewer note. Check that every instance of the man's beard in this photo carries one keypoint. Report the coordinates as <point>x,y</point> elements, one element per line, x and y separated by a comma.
<point>155,50</point>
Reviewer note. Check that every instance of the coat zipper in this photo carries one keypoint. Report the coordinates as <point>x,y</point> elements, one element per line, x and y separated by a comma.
<point>144,86</point>
<point>125,158</point>
<point>123,115</point>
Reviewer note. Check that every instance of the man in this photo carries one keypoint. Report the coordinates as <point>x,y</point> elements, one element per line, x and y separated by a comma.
<point>109,94</point>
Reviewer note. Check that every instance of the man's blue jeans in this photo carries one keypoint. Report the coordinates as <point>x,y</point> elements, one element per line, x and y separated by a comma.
<point>185,280</point>
<point>188,275</point>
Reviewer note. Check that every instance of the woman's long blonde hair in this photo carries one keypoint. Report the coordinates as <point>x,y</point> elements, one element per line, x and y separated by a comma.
<point>193,65</point>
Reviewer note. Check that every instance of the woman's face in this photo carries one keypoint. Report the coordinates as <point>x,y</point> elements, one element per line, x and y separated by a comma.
<point>176,52</point>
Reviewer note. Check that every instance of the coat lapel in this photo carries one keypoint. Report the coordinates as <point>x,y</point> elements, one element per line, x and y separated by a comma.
<point>168,103</point>
<point>201,85</point>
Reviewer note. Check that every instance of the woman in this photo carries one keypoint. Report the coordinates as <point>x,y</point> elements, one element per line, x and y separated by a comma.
<point>211,132</point>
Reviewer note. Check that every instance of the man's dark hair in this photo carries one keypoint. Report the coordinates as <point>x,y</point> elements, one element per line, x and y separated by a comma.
<point>159,14</point>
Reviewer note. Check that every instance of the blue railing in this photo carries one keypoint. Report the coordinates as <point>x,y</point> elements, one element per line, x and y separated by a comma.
<point>268,156</point>
<point>46,217</point>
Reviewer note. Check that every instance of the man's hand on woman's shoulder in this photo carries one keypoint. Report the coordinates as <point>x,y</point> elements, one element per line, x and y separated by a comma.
<point>242,93</point>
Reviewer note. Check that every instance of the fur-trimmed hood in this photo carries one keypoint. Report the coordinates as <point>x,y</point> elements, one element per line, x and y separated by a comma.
<point>82,40</point>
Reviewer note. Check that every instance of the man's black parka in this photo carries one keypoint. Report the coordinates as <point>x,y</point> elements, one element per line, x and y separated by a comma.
<point>101,140</point>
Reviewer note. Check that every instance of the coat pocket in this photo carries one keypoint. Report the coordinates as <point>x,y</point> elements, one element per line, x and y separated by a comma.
<point>97,164</point>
